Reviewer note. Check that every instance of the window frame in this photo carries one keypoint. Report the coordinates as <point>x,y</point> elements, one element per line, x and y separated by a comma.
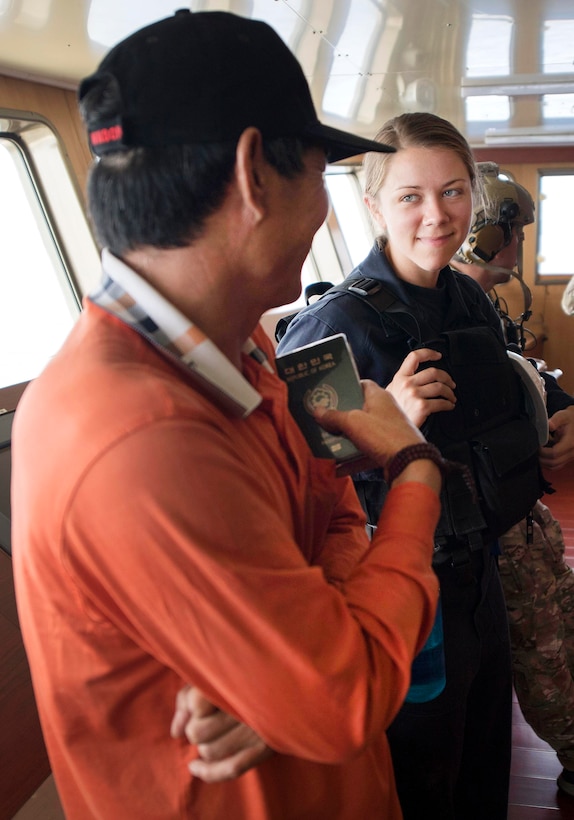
<point>549,278</point>
<point>55,198</point>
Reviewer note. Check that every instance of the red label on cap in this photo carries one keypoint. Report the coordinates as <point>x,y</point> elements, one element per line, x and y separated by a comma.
<point>106,135</point>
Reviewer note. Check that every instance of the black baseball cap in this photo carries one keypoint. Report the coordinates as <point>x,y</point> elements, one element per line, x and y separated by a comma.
<point>204,77</point>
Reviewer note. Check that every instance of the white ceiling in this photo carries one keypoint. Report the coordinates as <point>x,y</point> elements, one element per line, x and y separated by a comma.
<point>502,65</point>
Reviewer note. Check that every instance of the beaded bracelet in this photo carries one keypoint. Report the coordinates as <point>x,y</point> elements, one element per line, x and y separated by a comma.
<point>412,453</point>
<point>427,450</point>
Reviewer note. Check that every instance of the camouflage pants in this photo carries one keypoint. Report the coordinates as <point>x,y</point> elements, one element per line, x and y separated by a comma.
<point>539,590</point>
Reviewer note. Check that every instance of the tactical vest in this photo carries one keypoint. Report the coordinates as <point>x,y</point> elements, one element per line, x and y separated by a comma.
<point>489,429</point>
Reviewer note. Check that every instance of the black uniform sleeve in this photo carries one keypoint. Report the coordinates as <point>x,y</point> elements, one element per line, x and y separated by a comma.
<point>556,397</point>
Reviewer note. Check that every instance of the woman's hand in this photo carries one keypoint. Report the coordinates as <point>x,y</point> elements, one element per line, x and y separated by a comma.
<point>422,392</point>
<point>379,430</point>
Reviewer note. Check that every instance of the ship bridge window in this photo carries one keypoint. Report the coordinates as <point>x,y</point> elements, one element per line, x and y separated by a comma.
<point>346,236</point>
<point>491,109</point>
<point>557,38</point>
<point>489,56</point>
<point>557,108</point>
<point>43,229</point>
<point>489,46</point>
<point>553,218</point>
<point>343,240</point>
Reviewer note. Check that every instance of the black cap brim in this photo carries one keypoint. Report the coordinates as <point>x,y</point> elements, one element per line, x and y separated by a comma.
<point>342,145</point>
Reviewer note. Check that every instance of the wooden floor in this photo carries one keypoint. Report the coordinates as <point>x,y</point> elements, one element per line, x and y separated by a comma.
<point>43,805</point>
<point>535,767</point>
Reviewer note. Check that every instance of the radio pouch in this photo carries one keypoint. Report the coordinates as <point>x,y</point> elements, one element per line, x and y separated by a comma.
<point>489,430</point>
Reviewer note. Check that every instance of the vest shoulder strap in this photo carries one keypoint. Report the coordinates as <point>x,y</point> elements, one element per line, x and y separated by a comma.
<point>371,291</point>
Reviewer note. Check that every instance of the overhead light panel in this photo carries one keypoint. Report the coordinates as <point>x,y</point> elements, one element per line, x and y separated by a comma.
<point>517,86</point>
<point>543,135</point>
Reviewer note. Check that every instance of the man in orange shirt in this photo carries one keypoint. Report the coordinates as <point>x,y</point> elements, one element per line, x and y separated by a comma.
<point>172,526</point>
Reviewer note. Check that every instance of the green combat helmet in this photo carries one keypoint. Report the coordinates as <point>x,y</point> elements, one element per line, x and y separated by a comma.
<point>507,206</point>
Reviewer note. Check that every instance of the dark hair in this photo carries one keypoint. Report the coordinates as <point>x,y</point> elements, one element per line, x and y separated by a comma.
<point>161,196</point>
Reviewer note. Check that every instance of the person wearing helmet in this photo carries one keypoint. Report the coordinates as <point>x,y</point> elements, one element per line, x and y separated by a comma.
<point>492,251</point>
<point>508,206</point>
<point>537,581</point>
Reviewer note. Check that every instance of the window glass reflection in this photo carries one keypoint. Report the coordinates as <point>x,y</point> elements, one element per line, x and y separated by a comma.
<point>557,107</point>
<point>37,303</point>
<point>110,21</point>
<point>352,58</point>
<point>489,46</point>
<point>554,224</point>
<point>489,108</point>
<point>557,39</point>
<point>284,19</point>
